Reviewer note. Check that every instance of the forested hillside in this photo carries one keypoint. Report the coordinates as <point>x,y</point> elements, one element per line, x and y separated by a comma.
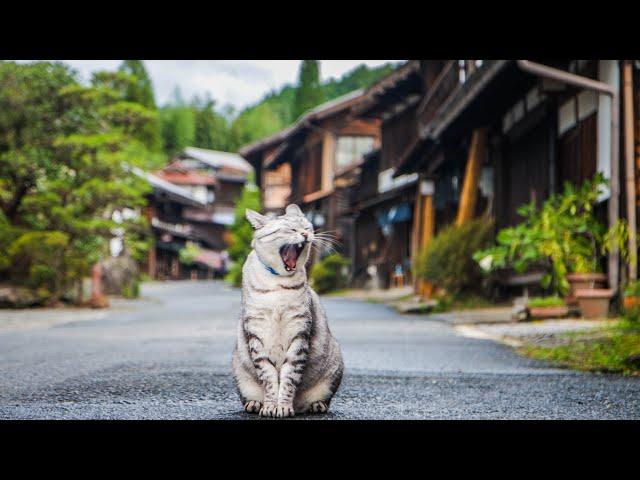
<point>204,124</point>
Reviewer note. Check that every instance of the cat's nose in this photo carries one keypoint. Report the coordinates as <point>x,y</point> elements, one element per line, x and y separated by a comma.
<point>305,235</point>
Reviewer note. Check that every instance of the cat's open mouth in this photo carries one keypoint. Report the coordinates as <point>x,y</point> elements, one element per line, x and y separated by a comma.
<point>290,253</point>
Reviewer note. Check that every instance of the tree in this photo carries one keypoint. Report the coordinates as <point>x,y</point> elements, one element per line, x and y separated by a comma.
<point>177,127</point>
<point>242,231</point>
<point>309,93</point>
<point>211,128</point>
<point>140,90</point>
<point>64,153</point>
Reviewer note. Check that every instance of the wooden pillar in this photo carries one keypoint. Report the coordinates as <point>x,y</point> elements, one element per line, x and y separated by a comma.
<point>468,197</point>
<point>152,256</point>
<point>415,234</point>
<point>630,167</point>
<point>424,228</point>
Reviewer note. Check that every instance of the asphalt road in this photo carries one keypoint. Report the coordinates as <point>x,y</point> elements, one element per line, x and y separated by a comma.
<point>167,357</point>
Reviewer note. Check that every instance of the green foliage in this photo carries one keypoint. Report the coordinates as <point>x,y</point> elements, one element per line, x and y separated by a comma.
<point>309,93</point>
<point>613,349</point>
<point>188,254</point>
<point>242,231</point>
<point>632,289</point>
<point>563,235</point>
<point>131,289</point>
<point>64,151</point>
<point>448,262</point>
<point>552,301</point>
<point>178,128</point>
<point>327,275</point>
<point>201,124</point>
<point>141,90</point>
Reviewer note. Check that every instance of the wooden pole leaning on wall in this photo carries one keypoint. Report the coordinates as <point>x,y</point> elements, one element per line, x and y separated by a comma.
<point>630,181</point>
<point>477,151</point>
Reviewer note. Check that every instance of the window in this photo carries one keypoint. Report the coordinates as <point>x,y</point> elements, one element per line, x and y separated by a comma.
<point>351,149</point>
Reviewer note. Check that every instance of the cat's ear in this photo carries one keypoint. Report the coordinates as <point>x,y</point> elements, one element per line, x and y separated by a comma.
<point>255,219</point>
<point>293,209</point>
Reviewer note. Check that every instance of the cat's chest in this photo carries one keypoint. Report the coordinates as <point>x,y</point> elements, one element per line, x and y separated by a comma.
<point>278,328</point>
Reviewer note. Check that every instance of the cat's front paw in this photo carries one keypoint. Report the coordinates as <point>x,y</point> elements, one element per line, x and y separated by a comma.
<point>318,407</point>
<point>268,410</point>
<point>252,406</point>
<point>284,411</point>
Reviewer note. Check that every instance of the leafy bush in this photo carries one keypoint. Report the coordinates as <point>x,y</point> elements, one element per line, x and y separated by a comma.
<point>38,260</point>
<point>131,289</point>
<point>563,235</point>
<point>327,275</point>
<point>632,289</point>
<point>552,301</point>
<point>188,254</point>
<point>448,259</point>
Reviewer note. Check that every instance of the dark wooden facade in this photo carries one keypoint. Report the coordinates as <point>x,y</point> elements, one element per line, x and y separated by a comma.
<point>193,204</point>
<point>323,150</point>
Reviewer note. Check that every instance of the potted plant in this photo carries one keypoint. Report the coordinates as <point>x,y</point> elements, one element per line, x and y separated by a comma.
<point>565,233</point>
<point>547,307</point>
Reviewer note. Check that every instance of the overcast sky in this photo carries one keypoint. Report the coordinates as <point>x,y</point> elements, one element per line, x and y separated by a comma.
<point>236,82</point>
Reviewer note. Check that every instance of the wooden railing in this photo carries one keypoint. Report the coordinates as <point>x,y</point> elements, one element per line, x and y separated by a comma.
<point>445,84</point>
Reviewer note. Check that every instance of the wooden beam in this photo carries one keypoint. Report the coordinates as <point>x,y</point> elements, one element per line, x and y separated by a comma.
<point>415,233</point>
<point>627,73</point>
<point>468,197</point>
<point>424,228</point>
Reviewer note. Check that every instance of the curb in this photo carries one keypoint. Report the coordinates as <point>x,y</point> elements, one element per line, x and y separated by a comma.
<point>471,331</point>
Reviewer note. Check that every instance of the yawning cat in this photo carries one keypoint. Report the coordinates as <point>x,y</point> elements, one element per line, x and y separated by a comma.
<point>286,361</point>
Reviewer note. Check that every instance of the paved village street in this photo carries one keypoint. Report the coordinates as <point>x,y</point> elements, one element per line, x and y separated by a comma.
<point>167,356</point>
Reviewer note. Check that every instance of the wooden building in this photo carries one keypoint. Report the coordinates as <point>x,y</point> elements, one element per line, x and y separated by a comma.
<point>315,156</point>
<point>193,203</point>
<point>275,184</point>
<point>493,135</point>
<point>384,204</point>
<point>165,213</point>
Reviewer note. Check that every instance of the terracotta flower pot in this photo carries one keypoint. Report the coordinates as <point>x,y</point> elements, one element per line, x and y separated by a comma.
<point>631,301</point>
<point>555,311</point>
<point>581,281</point>
<point>594,302</point>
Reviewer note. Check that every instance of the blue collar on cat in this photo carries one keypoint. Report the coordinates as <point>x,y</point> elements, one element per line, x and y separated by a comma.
<point>269,269</point>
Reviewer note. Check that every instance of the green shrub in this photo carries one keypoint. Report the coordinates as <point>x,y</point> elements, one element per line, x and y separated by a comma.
<point>563,235</point>
<point>553,301</point>
<point>448,262</point>
<point>188,254</point>
<point>632,289</point>
<point>131,289</point>
<point>38,260</point>
<point>327,274</point>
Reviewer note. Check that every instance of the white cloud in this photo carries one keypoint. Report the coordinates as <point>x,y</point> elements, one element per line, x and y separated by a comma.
<point>236,82</point>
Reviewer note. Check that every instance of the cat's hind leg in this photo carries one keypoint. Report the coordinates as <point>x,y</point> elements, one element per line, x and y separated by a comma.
<point>317,398</point>
<point>250,391</point>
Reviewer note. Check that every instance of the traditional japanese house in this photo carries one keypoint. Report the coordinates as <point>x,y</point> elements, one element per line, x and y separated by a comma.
<point>193,205</point>
<point>164,211</point>
<point>383,204</point>
<point>495,134</point>
<point>320,148</point>
<point>275,184</point>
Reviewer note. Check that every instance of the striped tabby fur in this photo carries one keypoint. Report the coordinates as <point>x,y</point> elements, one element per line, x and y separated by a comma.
<point>286,361</point>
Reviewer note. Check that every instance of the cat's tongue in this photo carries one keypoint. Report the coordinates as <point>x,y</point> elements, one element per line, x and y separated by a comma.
<point>290,254</point>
